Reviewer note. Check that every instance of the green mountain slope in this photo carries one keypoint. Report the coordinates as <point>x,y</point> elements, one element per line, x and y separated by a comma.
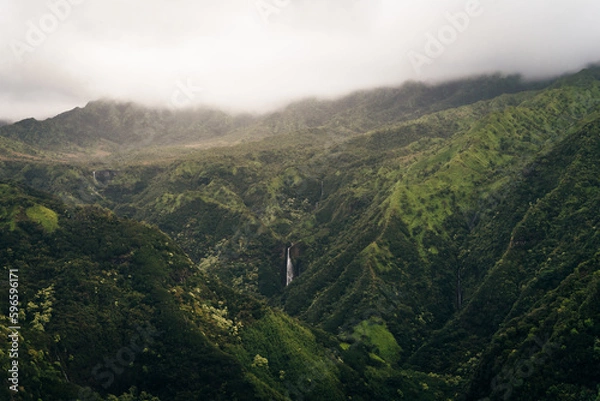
<point>444,238</point>
<point>405,264</point>
<point>92,287</point>
<point>111,307</point>
<point>538,304</point>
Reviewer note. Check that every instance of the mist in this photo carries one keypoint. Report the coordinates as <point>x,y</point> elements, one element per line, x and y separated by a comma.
<point>249,55</point>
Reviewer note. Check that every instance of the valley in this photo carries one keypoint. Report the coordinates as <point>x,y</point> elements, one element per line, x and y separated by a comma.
<point>443,239</point>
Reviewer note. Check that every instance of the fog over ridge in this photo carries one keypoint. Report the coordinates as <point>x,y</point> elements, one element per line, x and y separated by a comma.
<point>248,55</point>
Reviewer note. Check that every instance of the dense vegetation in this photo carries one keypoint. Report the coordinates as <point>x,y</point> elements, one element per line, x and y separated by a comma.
<point>445,243</point>
<point>115,307</point>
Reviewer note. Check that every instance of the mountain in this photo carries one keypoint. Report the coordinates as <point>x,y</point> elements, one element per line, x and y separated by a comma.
<point>106,127</point>
<point>444,239</point>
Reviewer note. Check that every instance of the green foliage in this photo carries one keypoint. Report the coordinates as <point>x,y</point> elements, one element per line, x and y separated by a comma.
<point>444,240</point>
<point>110,276</point>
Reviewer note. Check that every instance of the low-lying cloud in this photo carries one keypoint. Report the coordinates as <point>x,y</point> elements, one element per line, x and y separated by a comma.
<point>254,55</point>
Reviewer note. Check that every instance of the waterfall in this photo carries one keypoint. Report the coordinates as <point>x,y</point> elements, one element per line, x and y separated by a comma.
<point>289,273</point>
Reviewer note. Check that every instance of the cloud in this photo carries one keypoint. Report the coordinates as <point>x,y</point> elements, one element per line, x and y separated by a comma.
<point>257,54</point>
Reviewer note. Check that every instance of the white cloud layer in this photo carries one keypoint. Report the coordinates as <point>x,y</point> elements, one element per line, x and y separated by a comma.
<point>257,54</point>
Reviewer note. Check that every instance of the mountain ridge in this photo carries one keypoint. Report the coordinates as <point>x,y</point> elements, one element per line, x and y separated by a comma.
<point>109,126</point>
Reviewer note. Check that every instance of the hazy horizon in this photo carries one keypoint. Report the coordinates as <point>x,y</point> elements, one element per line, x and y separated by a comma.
<point>255,56</point>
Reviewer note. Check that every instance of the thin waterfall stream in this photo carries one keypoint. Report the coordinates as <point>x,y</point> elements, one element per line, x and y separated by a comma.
<point>289,274</point>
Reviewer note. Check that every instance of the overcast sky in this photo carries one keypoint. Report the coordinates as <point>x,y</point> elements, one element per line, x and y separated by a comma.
<point>255,55</point>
